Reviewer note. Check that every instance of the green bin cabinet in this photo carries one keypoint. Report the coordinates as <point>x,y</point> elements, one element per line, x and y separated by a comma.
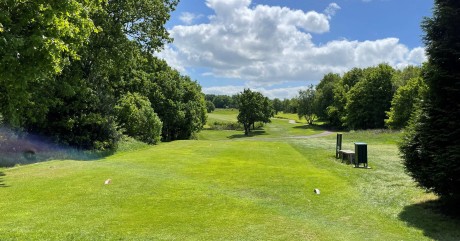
<point>360,154</point>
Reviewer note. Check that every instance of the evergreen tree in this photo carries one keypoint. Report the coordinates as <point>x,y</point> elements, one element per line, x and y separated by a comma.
<point>431,146</point>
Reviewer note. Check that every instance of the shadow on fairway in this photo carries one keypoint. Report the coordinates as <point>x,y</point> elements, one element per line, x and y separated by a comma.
<point>29,157</point>
<point>437,220</point>
<point>309,127</point>
<point>251,134</point>
<point>18,148</point>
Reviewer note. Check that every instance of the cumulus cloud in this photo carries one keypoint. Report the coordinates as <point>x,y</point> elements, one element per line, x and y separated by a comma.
<point>331,10</point>
<point>188,18</point>
<point>173,58</point>
<point>269,44</point>
<point>281,93</point>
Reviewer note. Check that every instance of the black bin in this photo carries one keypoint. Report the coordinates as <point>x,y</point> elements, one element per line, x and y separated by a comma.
<point>360,154</point>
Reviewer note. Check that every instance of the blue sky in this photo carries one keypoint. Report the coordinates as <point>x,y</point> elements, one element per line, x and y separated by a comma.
<point>280,46</point>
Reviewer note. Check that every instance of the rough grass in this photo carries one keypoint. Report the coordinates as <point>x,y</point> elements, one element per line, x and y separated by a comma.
<point>224,187</point>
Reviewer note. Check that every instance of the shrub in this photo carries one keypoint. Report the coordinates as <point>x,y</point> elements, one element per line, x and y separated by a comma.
<point>138,119</point>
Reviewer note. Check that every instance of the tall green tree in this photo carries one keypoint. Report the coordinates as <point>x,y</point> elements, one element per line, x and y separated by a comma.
<point>38,39</point>
<point>325,94</point>
<point>277,105</point>
<point>336,112</point>
<point>80,100</point>
<point>306,101</point>
<point>402,77</point>
<point>431,145</point>
<point>370,98</point>
<point>290,105</point>
<point>223,101</point>
<point>177,100</point>
<point>404,102</point>
<point>253,107</point>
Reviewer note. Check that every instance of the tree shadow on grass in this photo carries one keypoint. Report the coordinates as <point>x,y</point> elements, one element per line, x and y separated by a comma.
<point>23,150</point>
<point>31,157</point>
<point>251,134</point>
<point>437,220</point>
<point>310,127</point>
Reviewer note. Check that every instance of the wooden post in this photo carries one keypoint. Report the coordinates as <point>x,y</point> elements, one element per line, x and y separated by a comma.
<point>338,145</point>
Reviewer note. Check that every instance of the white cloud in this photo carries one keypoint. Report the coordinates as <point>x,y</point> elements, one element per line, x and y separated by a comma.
<point>173,59</point>
<point>331,10</point>
<point>281,93</point>
<point>188,18</point>
<point>267,45</point>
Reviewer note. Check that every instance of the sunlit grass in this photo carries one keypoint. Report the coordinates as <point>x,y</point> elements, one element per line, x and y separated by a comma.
<point>290,116</point>
<point>223,115</point>
<point>224,186</point>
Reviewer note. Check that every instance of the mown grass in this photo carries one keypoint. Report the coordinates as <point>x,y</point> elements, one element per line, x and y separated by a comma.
<point>223,115</point>
<point>289,116</point>
<point>224,187</point>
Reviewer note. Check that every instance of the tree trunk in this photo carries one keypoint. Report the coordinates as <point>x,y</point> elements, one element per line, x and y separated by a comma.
<point>247,129</point>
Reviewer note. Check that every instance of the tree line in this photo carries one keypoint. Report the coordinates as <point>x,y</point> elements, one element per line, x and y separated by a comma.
<point>83,73</point>
<point>362,98</point>
<point>370,98</point>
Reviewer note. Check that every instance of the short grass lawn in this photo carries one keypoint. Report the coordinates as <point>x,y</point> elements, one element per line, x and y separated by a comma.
<point>223,188</point>
<point>223,115</point>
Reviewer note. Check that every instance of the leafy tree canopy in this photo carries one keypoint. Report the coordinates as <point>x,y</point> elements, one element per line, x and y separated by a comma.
<point>253,107</point>
<point>306,104</point>
<point>370,98</point>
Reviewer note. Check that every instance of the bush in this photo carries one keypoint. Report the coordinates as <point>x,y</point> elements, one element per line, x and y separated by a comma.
<point>210,106</point>
<point>404,103</point>
<point>138,119</point>
<point>225,126</point>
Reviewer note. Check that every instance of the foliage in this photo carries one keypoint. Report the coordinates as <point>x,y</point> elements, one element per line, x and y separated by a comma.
<point>324,96</point>
<point>138,119</point>
<point>72,112</point>
<point>177,100</point>
<point>277,105</point>
<point>101,52</point>
<point>216,125</point>
<point>402,77</point>
<point>253,107</point>
<point>38,39</point>
<point>290,105</point>
<point>370,98</point>
<point>336,111</point>
<point>404,103</point>
<point>222,101</point>
<point>431,147</point>
<point>351,78</point>
<point>306,104</point>
<point>210,106</point>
